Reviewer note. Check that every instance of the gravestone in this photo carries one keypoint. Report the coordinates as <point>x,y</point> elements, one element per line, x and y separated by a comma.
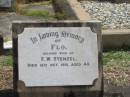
<point>57,59</point>
<point>5,3</point>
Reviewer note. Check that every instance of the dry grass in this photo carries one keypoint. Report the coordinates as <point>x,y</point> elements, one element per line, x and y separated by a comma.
<point>117,68</point>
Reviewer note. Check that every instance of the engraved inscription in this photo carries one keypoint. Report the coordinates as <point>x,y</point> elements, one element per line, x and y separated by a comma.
<point>58,56</point>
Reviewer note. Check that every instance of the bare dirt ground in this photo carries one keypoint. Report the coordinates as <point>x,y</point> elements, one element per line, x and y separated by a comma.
<point>6,77</point>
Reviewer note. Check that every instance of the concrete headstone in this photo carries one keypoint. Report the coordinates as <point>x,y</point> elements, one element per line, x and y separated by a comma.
<point>5,3</point>
<point>66,56</point>
<point>59,55</point>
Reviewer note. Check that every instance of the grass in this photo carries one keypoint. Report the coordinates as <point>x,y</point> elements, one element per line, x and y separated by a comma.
<point>38,13</point>
<point>60,16</point>
<point>45,14</point>
<point>117,68</point>
<point>116,56</point>
<point>6,60</point>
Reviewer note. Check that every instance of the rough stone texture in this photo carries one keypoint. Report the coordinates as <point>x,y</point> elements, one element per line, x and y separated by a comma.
<point>112,15</point>
<point>113,1</point>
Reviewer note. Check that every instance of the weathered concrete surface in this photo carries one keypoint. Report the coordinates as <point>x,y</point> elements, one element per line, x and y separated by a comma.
<point>79,11</point>
<point>116,38</point>
<point>72,9</point>
<point>94,90</point>
<point>5,3</point>
<point>116,31</point>
<point>6,21</point>
<point>112,91</point>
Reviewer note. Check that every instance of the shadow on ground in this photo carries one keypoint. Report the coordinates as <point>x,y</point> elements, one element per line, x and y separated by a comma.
<point>11,93</point>
<point>7,93</point>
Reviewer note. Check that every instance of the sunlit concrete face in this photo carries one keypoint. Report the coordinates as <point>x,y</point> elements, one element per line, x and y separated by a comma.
<point>58,56</point>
